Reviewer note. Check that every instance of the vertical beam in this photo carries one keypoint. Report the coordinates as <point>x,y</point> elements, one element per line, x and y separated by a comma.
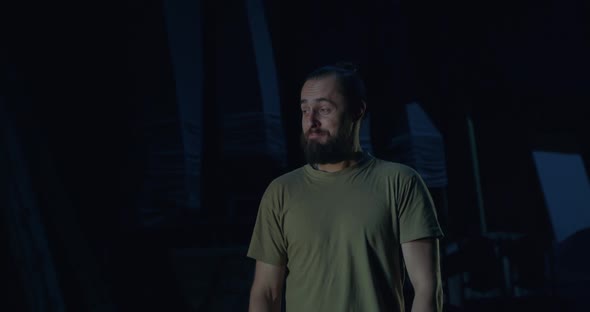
<point>476,176</point>
<point>263,51</point>
<point>185,39</point>
<point>28,238</point>
<point>267,78</point>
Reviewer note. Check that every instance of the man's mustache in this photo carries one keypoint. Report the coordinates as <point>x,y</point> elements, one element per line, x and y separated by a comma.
<point>316,131</point>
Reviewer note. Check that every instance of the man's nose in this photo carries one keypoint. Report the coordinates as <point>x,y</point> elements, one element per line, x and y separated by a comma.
<point>312,118</point>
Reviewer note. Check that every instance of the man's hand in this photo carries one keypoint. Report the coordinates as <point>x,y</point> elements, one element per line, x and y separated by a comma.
<point>422,262</point>
<point>267,289</point>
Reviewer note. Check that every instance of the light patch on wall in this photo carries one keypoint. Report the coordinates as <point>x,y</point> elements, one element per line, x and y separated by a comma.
<point>566,190</point>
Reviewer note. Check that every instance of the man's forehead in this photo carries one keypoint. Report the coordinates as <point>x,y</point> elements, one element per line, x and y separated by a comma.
<point>317,88</point>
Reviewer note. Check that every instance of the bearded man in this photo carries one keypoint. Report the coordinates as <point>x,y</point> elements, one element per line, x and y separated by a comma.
<point>340,231</point>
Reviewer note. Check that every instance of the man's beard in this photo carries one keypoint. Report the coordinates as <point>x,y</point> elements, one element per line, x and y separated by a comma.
<point>336,149</point>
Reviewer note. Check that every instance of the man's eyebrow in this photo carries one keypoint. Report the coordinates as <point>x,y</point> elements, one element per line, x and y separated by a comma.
<point>322,99</point>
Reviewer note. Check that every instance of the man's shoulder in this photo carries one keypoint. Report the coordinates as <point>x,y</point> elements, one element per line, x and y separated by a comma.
<point>394,169</point>
<point>288,178</point>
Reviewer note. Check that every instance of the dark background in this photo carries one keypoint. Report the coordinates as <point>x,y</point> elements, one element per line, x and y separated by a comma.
<point>136,142</point>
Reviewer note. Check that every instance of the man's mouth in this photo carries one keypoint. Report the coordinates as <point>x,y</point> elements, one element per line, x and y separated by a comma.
<point>315,134</point>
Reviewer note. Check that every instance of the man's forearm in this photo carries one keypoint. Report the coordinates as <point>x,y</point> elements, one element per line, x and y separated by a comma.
<point>264,303</point>
<point>428,300</point>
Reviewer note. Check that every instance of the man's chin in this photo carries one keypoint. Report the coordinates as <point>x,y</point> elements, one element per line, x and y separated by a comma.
<point>315,143</point>
<point>324,150</point>
<point>322,158</point>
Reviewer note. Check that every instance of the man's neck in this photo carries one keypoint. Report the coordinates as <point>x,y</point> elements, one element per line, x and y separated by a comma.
<point>339,166</point>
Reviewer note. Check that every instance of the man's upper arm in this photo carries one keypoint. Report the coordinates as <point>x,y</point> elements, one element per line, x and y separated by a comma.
<point>422,261</point>
<point>269,279</point>
<point>268,243</point>
<point>416,211</point>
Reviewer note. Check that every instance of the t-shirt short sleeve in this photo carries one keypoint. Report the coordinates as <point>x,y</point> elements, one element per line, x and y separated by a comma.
<point>267,243</point>
<point>417,214</point>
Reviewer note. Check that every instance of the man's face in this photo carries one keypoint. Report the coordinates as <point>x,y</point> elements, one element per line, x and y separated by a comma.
<point>327,128</point>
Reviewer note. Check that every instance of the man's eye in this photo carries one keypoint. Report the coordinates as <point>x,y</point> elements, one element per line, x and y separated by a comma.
<point>324,110</point>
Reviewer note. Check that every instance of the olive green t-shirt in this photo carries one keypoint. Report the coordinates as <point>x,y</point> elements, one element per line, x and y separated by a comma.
<point>339,234</point>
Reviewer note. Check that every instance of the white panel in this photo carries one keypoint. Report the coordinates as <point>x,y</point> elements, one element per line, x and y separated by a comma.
<point>566,189</point>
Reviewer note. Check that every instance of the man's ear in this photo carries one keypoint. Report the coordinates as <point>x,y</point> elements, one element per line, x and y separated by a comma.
<point>361,112</point>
